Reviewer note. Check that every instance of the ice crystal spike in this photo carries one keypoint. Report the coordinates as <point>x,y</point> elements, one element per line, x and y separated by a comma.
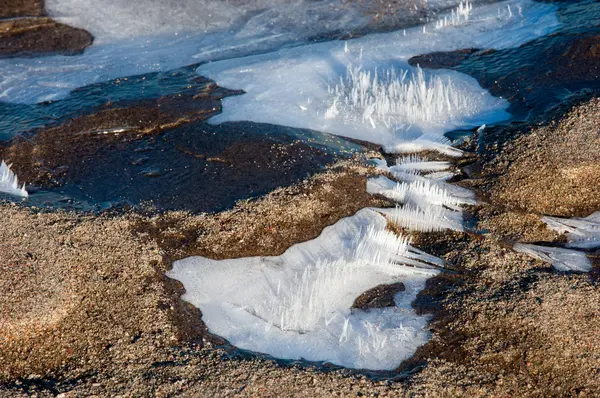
<point>458,16</point>
<point>561,259</point>
<point>415,162</point>
<point>9,183</point>
<point>429,219</point>
<point>582,233</point>
<point>393,97</point>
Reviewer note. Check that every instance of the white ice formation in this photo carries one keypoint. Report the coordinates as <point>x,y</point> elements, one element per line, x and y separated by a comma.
<point>297,305</point>
<point>426,202</point>
<point>458,16</point>
<point>366,89</point>
<point>139,37</point>
<point>561,259</point>
<point>582,233</point>
<point>9,183</point>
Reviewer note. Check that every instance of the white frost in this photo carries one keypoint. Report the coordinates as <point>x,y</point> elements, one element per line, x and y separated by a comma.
<point>561,259</point>
<point>582,233</point>
<point>9,183</point>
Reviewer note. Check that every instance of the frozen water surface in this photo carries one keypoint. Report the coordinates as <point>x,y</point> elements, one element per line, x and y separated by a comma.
<point>297,305</point>
<point>582,233</point>
<point>137,37</point>
<point>365,89</point>
<point>561,259</point>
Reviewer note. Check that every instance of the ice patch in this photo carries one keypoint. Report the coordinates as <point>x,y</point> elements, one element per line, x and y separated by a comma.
<point>115,19</point>
<point>137,37</point>
<point>9,183</point>
<point>561,259</point>
<point>428,203</point>
<point>582,233</point>
<point>365,88</point>
<point>297,305</point>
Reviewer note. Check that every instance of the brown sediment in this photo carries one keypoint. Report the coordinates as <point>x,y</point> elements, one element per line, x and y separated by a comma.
<point>508,326</point>
<point>21,8</point>
<point>40,35</point>
<point>553,170</point>
<point>75,289</point>
<point>44,158</point>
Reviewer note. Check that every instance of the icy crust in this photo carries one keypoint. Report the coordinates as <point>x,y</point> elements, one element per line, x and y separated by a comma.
<point>365,88</point>
<point>114,19</point>
<point>133,38</point>
<point>9,182</point>
<point>561,259</point>
<point>425,201</point>
<point>298,305</point>
<point>582,233</point>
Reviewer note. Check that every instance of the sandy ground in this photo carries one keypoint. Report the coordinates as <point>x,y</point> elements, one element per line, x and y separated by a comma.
<point>555,169</point>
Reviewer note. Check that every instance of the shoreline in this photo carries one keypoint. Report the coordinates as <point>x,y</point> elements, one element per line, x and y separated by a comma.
<point>490,291</point>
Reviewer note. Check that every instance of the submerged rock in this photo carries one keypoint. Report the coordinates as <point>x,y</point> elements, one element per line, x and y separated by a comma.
<point>441,59</point>
<point>380,296</point>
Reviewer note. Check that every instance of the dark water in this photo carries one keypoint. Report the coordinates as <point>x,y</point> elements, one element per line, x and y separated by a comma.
<point>200,167</point>
<point>197,167</point>
<point>548,70</point>
<point>18,118</point>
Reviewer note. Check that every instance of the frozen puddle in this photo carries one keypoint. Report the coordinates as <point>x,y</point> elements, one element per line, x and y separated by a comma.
<point>365,88</point>
<point>298,305</point>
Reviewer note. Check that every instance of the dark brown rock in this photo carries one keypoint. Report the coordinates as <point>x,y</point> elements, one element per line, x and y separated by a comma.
<point>381,296</point>
<point>21,8</point>
<point>42,158</point>
<point>37,36</point>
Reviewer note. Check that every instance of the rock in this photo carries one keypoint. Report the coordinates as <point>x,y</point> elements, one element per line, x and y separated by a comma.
<point>380,296</point>
<point>21,8</point>
<point>442,59</point>
<point>40,35</point>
